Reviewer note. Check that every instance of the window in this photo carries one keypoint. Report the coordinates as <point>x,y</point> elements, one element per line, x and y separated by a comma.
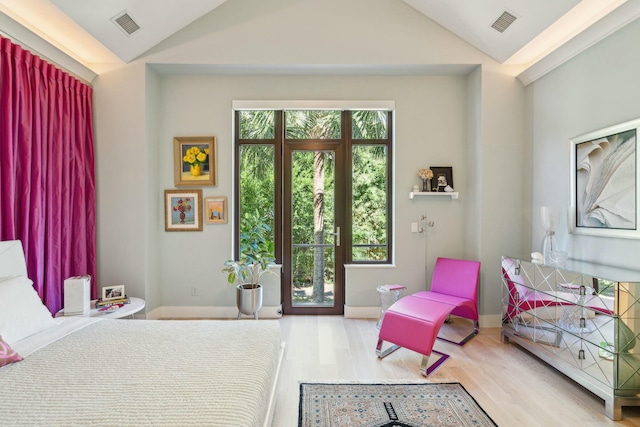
<point>364,174</point>
<point>256,183</point>
<point>370,218</point>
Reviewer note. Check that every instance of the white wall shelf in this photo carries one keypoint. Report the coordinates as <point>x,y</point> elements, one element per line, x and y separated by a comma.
<point>453,195</point>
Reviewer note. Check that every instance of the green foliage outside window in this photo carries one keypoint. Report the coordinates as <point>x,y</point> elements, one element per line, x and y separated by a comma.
<point>313,201</point>
<point>257,186</point>
<point>370,201</point>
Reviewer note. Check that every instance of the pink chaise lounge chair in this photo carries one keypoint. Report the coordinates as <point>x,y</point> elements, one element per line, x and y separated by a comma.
<point>414,321</point>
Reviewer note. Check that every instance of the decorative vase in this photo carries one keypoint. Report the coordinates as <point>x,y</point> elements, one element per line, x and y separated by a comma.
<point>249,299</point>
<point>182,216</point>
<point>426,185</point>
<point>196,170</point>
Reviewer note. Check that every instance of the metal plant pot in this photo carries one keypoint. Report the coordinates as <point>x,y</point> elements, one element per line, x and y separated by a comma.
<point>249,299</point>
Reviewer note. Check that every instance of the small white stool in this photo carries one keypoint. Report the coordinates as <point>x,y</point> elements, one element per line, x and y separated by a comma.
<point>388,295</point>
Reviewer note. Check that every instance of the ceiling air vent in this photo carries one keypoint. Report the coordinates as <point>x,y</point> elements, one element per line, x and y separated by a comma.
<point>503,22</point>
<point>125,22</point>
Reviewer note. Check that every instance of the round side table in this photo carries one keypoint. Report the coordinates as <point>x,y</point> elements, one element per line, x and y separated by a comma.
<point>127,310</point>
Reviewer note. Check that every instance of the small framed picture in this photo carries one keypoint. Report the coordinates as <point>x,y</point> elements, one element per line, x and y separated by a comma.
<point>194,161</point>
<point>183,210</point>
<point>112,292</point>
<point>442,177</point>
<point>215,210</point>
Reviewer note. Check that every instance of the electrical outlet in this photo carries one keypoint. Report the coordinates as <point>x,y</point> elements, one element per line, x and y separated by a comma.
<point>414,227</point>
<point>194,291</point>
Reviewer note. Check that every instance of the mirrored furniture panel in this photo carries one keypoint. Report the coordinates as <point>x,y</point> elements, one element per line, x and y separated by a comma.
<point>581,318</point>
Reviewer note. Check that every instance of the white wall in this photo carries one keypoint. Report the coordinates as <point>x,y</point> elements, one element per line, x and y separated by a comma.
<point>123,172</point>
<point>596,89</point>
<point>472,122</point>
<point>429,111</point>
<point>153,198</point>
<point>503,180</point>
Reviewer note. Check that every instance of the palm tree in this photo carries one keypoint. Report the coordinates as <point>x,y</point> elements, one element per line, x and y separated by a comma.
<point>316,125</point>
<point>369,189</point>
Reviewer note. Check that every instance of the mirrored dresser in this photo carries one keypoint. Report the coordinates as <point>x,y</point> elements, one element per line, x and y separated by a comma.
<point>583,319</point>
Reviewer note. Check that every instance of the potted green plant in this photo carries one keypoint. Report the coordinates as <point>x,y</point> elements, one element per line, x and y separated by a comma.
<point>256,255</point>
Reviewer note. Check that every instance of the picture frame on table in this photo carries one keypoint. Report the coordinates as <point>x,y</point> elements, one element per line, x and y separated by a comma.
<point>215,210</point>
<point>113,292</point>
<point>442,177</point>
<point>195,160</point>
<point>605,182</point>
<point>183,210</point>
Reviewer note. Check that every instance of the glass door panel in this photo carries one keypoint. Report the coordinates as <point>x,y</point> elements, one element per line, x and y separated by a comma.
<point>313,231</point>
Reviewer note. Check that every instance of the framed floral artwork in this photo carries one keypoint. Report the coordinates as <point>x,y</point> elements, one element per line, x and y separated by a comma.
<point>215,210</point>
<point>183,210</point>
<point>605,181</point>
<point>194,161</point>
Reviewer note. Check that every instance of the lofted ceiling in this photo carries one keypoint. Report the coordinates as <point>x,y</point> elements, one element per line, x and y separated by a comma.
<point>86,30</point>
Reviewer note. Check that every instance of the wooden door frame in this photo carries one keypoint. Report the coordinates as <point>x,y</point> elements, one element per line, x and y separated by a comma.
<point>339,218</point>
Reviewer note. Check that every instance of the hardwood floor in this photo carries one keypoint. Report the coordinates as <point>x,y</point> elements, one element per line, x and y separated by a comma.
<point>512,386</point>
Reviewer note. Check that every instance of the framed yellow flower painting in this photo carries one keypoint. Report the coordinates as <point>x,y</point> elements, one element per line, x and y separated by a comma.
<point>194,161</point>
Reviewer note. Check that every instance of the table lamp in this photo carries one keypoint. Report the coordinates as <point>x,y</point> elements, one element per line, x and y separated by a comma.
<point>550,221</point>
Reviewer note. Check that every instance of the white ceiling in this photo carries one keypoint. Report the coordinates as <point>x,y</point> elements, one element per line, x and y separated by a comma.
<point>84,28</point>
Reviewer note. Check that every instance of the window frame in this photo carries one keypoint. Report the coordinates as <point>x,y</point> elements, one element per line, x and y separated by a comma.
<point>346,138</point>
<point>388,142</point>
<point>277,182</point>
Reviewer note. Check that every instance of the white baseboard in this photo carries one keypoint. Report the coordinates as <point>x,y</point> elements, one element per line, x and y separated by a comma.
<point>361,312</point>
<point>486,321</point>
<point>490,321</point>
<point>209,312</point>
<point>275,312</point>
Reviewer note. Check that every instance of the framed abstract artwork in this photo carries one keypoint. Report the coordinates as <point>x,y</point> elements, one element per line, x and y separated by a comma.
<point>215,210</point>
<point>604,182</point>
<point>194,161</point>
<point>183,210</point>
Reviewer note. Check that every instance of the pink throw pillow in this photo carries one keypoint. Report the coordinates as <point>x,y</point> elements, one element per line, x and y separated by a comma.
<point>7,354</point>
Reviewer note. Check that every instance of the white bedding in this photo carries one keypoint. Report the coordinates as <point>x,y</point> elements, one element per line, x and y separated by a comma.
<point>143,373</point>
<point>66,325</point>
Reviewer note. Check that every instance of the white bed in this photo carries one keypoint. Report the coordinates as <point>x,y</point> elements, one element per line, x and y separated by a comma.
<point>80,371</point>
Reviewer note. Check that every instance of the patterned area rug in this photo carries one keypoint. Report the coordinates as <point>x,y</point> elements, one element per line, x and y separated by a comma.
<point>389,405</point>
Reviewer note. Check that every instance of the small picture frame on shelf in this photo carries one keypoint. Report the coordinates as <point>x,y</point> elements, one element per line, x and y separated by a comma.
<point>442,178</point>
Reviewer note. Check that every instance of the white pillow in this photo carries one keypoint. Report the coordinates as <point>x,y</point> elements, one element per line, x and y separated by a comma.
<point>21,311</point>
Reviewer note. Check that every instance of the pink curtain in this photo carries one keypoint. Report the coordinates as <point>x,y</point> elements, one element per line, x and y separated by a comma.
<point>47,177</point>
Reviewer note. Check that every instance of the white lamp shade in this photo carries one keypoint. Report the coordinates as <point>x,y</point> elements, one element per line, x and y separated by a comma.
<point>550,218</point>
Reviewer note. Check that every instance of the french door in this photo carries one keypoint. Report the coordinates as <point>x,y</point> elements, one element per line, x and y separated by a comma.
<point>317,184</point>
<point>313,249</point>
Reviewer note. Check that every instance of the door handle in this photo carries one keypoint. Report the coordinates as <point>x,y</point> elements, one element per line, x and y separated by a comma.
<point>337,234</point>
